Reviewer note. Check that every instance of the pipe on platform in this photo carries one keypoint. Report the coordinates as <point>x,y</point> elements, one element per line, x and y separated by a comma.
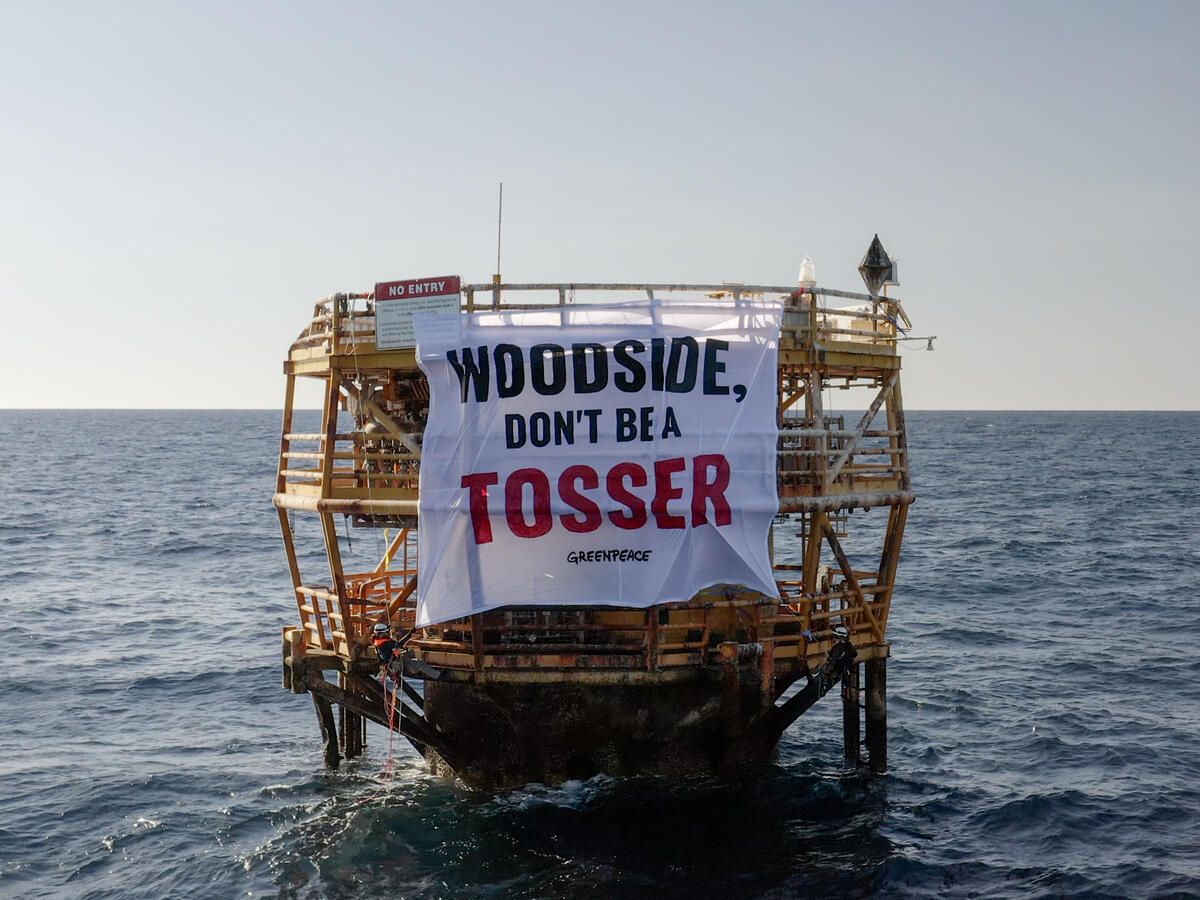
<point>365,506</point>
<point>831,502</point>
<point>349,505</point>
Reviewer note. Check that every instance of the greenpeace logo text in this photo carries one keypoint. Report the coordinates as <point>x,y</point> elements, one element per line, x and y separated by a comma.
<point>575,557</point>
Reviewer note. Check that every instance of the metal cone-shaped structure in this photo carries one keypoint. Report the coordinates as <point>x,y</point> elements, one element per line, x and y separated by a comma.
<point>876,266</point>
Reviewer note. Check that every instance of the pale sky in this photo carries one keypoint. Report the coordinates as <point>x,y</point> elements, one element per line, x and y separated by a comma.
<point>182,180</point>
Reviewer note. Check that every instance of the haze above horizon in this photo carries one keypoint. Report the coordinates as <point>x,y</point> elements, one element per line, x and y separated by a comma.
<point>183,181</point>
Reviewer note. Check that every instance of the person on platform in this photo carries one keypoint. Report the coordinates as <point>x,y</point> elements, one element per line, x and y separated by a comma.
<point>384,643</point>
<point>389,644</point>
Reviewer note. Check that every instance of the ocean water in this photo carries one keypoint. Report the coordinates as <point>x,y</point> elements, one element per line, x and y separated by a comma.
<point>1044,694</point>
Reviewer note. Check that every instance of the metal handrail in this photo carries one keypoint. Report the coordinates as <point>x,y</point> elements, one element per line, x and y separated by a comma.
<point>347,327</point>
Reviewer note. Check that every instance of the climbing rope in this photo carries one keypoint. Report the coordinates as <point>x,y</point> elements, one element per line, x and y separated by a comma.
<point>394,709</point>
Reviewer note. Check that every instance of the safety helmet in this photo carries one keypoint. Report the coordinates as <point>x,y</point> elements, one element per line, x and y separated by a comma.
<point>381,629</point>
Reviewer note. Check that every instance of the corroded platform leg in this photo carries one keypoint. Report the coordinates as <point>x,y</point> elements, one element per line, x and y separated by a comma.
<point>328,730</point>
<point>350,728</point>
<point>876,674</point>
<point>350,733</point>
<point>851,733</point>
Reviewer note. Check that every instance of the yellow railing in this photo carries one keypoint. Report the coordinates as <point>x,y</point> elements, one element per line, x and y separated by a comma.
<point>345,323</point>
<point>370,462</point>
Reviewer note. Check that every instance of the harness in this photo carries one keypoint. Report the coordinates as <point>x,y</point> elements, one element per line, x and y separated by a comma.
<point>385,647</point>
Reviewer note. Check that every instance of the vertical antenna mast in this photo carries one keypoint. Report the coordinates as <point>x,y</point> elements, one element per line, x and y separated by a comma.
<point>499,222</point>
<point>496,277</point>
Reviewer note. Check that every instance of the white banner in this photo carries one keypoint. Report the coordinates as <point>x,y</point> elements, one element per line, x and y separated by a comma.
<point>596,455</point>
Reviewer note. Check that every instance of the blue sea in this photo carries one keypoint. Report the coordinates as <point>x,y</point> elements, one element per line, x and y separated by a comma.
<point>1044,694</point>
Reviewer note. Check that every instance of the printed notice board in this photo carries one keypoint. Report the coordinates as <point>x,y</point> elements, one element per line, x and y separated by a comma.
<point>397,301</point>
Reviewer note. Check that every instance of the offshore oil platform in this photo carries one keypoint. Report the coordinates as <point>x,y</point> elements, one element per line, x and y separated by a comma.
<point>586,677</point>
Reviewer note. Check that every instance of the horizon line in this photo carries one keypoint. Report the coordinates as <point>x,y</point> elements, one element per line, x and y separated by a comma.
<point>319,409</point>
